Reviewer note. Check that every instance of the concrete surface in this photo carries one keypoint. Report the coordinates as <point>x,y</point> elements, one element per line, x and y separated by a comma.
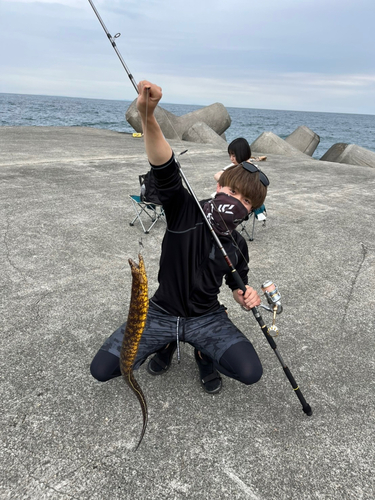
<point>65,241</point>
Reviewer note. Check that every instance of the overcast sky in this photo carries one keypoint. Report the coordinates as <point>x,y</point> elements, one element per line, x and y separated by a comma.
<point>307,55</point>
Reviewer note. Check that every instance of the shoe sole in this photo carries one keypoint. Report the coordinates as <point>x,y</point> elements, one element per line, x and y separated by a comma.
<point>215,391</point>
<point>161,372</point>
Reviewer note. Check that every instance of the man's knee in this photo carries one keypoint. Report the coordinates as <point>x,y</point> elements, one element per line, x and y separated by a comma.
<point>105,366</point>
<point>241,362</point>
<point>98,372</point>
<point>251,374</point>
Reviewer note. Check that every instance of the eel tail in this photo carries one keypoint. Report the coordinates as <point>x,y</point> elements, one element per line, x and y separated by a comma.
<point>131,381</point>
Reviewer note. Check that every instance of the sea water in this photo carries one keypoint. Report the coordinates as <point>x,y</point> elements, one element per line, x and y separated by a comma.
<point>38,110</point>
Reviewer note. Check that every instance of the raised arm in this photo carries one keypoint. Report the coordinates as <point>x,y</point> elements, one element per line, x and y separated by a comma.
<point>157,148</point>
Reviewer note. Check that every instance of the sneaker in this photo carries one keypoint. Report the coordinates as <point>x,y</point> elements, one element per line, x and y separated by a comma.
<point>162,360</point>
<point>209,377</point>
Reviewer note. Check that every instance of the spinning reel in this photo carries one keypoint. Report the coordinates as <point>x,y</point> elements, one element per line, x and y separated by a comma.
<point>272,294</point>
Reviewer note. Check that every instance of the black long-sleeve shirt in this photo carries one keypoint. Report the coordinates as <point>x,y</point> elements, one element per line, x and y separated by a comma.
<point>192,266</point>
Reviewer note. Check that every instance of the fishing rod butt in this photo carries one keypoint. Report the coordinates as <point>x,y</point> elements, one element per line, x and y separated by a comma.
<point>305,406</point>
<point>307,409</point>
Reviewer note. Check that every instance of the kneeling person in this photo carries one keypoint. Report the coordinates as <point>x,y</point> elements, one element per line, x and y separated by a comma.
<point>185,306</point>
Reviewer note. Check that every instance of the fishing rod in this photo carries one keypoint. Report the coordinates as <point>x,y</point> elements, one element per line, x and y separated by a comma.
<point>273,298</point>
<point>269,288</point>
<point>113,43</point>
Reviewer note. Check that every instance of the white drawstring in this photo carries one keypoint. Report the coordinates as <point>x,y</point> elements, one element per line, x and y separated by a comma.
<point>178,341</point>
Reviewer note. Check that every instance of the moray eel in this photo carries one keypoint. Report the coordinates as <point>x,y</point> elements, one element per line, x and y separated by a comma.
<point>133,333</point>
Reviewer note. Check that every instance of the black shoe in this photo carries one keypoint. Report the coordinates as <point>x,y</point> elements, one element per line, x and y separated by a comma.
<point>209,376</point>
<point>162,360</point>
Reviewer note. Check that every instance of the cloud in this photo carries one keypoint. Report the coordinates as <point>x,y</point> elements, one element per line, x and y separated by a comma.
<point>70,3</point>
<point>293,91</point>
<point>310,55</point>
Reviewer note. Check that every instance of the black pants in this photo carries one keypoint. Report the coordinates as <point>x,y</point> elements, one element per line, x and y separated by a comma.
<point>213,334</point>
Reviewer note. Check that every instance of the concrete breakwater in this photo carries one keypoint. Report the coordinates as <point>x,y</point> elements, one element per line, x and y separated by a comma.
<point>208,125</point>
<point>204,125</point>
<point>304,141</point>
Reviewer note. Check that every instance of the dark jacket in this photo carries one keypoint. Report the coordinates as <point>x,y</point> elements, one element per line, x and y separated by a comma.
<point>192,266</point>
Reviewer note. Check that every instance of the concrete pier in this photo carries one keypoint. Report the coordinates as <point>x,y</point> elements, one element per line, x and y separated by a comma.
<point>65,281</point>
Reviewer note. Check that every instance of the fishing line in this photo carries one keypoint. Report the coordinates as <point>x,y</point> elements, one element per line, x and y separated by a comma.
<point>266,331</point>
<point>148,97</point>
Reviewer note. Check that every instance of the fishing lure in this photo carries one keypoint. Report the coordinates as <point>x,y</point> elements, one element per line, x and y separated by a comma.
<point>133,333</point>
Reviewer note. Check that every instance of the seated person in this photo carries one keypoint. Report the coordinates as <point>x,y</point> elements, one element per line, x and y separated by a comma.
<point>239,151</point>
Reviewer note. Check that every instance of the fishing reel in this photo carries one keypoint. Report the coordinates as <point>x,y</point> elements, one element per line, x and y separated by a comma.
<point>272,294</point>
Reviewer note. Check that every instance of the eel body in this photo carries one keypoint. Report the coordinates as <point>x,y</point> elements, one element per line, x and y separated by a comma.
<point>133,333</point>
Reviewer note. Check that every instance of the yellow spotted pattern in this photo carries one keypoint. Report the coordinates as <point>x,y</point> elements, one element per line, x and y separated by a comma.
<point>134,328</point>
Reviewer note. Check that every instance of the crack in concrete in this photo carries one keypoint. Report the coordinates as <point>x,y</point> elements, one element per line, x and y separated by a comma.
<point>38,480</point>
<point>37,304</point>
<point>354,281</point>
<point>60,492</point>
<point>7,249</point>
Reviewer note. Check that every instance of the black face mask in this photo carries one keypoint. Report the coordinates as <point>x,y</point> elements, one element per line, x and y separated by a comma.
<point>224,212</point>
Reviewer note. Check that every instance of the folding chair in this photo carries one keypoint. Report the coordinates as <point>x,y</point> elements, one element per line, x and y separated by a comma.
<point>151,209</point>
<point>258,214</point>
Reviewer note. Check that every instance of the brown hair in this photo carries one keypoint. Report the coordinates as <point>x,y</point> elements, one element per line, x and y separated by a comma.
<point>247,183</point>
